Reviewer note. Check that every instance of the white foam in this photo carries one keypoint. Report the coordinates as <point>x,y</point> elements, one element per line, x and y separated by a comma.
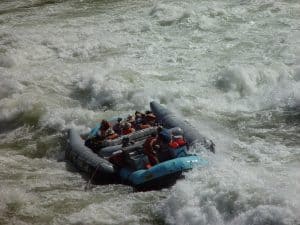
<point>105,213</point>
<point>229,192</point>
<point>266,214</point>
<point>168,14</point>
<point>247,80</point>
<point>13,199</point>
<point>297,73</point>
<point>60,120</point>
<point>260,87</point>
<point>6,61</point>
<point>9,86</point>
<point>12,108</point>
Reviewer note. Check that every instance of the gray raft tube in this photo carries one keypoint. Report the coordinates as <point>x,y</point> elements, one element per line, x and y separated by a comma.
<point>136,136</point>
<point>90,162</point>
<point>169,120</point>
<point>110,150</point>
<point>86,160</point>
<point>110,146</point>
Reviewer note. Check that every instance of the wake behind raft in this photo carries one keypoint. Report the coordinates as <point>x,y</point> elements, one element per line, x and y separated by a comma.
<point>116,162</point>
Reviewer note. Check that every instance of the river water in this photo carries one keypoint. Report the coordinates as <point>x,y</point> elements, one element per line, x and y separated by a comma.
<point>230,67</point>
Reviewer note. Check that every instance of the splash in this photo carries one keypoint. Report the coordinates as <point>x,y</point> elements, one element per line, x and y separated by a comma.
<point>228,194</point>
<point>6,61</point>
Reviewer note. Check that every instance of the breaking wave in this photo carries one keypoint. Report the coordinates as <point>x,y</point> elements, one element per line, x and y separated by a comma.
<point>229,194</point>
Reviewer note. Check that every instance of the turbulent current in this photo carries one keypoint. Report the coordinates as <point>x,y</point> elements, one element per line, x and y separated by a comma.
<point>230,67</point>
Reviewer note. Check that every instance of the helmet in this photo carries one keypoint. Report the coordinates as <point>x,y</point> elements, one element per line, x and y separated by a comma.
<point>109,131</point>
<point>130,118</point>
<point>127,125</point>
<point>177,131</point>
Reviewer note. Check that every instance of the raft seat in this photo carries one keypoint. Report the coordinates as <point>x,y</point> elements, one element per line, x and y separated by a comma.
<point>135,136</point>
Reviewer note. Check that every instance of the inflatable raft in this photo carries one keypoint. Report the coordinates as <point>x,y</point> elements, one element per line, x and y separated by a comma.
<point>116,163</point>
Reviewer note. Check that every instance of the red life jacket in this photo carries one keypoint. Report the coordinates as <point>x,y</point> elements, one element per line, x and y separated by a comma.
<point>144,126</point>
<point>173,144</point>
<point>112,136</point>
<point>148,150</point>
<point>148,145</point>
<point>180,141</point>
<point>128,131</point>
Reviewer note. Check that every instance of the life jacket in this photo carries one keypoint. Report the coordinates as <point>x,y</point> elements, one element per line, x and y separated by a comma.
<point>173,144</point>
<point>112,136</point>
<point>180,140</point>
<point>148,144</point>
<point>128,131</point>
<point>177,141</point>
<point>144,126</point>
<point>148,150</point>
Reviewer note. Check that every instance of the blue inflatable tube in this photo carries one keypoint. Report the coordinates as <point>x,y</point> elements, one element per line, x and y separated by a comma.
<point>162,174</point>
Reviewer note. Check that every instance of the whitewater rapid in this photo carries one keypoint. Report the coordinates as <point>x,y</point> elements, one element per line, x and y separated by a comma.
<point>231,68</point>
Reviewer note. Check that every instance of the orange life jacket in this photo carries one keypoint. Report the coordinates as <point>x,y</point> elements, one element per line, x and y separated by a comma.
<point>148,150</point>
<point>144,126</point>
<point>180,141</point>
<point>177,142</point>
<point>112,136</point>
<point>128,131</point>
<point>173,144</point>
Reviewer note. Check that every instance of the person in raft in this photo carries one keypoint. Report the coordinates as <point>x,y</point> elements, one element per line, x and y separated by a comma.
<point>94,141</point>
<point>131,120</point>
<point>110,134</point>
<point>149,146</point>
<point>150,118</point>
<point>127,129</point>
<point>105,125</point>
<point>146,120</point>
<point>118,126</point>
